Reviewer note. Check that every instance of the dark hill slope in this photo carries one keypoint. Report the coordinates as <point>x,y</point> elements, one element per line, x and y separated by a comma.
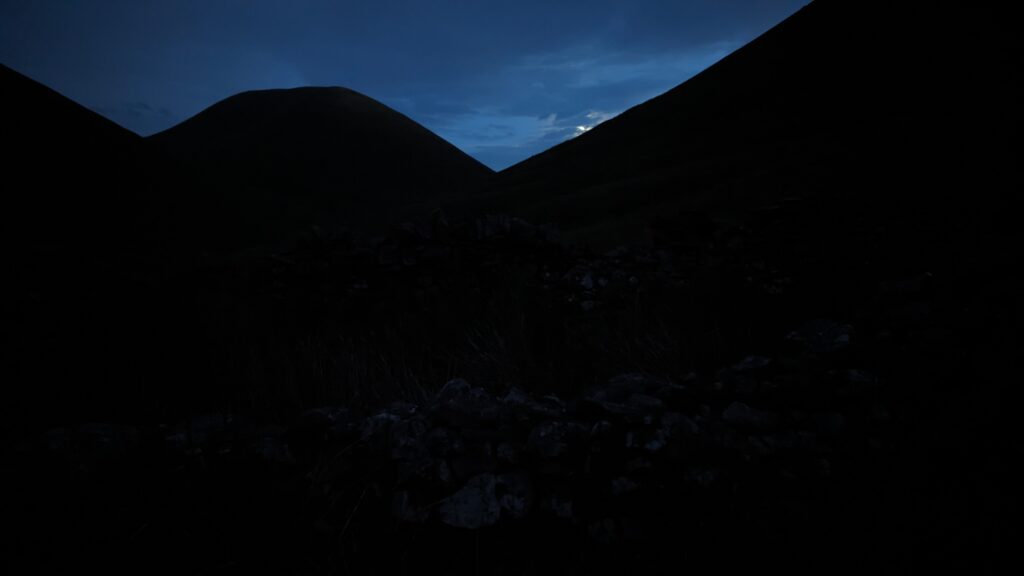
<point>264,166</point>
<point>841,97</point>
<point>76,226</point>
<point>67,170</point>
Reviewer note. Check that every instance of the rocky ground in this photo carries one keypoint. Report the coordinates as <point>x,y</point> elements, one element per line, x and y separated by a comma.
<point>639,470</point>
<point>773,391</point>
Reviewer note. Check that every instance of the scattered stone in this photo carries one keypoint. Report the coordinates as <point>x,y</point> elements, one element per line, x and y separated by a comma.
<point>603,531</point>
<point>741,415</point>
<point>622,485</point>
<point>453,391</point>
<point>272,448</point>
<point>646,403</point>
<point>403,509</point>
<point>475,460</point>
<point>675,423</point>
<point>703,477</point>
<point>587,282</point>
<point>472,507</point>
<point>822,336</point>
<point>560,506</point>
<point>509,453</point>
<point>549,439</point>
<point>515,493</point>
<point>510,456</point>
<point>829,422</point>
<point>443,442</point>
<point>751,363</point>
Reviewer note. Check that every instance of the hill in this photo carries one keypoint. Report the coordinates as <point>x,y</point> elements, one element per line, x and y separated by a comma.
<point>68,170</point>
<point>265,166</point>
<point>839,98</point>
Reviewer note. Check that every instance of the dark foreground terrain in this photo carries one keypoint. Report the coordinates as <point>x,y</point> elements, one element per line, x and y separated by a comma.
<point>808,388</point>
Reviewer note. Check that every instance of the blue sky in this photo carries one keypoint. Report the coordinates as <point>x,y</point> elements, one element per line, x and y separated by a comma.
<point>501,80</point>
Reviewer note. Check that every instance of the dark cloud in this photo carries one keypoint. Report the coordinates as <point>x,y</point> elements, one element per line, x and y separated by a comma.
<point>502,80</point>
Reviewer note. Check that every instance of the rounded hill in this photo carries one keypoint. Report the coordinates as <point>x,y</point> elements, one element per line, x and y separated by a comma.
<point>263,166</point>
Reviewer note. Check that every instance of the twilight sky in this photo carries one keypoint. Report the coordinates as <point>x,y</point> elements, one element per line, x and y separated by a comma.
<point>501,80</point>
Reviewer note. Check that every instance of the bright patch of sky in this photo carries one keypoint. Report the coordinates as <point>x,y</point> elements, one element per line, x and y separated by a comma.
<point>574,90</point>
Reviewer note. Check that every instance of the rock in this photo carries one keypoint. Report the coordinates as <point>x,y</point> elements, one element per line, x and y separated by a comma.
<point>405,434</point>
<point>741,415</point>
<point>675,394</point>
<point>472,507</point>
<point>551,405</point>
<point>822,336</point>
<point>443,442</point>
<point>403,509</point>
<point>646,403</point>
<point>635,394</point>
<point>913,313</point>
<point>703,477</point>
<point>600,436</point>
<point>822,468</point>
<point>792,440</point>
<point>378,427</point>
<point>657,441</point>
<point>402,409</point>
<point>853,383</point>
<point>444,472</point>
<point>453,390</point>
<point>758,447</point>
<point>602,532</point>
<point>619,389</point>
<point>743,379</point>
<point>615,409</point>
<point>522,405</point>
<point>272,448</point>
<point>517,398</point>
<point>600,429</point>
<point>412,462</point>
<point>638,464</point>
<point>515,494</point>
<point>633,528</point>
<point>829,422</point>
<point>861,378</point>
<point>509,453</point>
<point>549,439</point>
<point>56,440</point>
<point>460,404</point>
<point>473,461</point>
<point>103,441</point>
<point>207,428</point>
<point>622,485</point>
<point>560,506</point>
<point>674,423</point>
<point>751,363</point>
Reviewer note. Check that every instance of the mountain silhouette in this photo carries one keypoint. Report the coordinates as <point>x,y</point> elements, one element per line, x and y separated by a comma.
<point>69,171</point>
<point>266,166</point>
<point>880,93</point>
<point>75,217</point>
